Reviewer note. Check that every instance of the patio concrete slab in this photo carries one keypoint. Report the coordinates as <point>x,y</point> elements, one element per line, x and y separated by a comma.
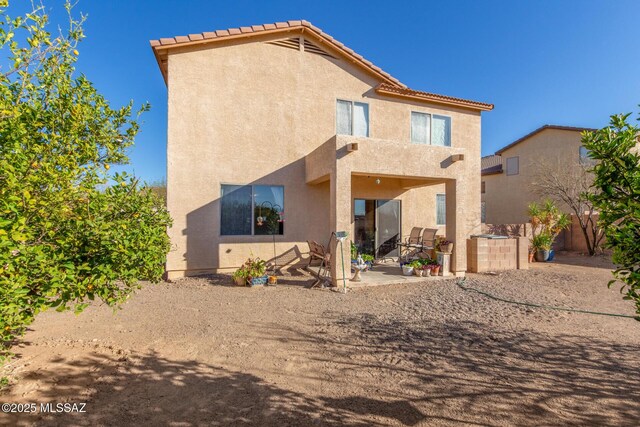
<point>389,274</point>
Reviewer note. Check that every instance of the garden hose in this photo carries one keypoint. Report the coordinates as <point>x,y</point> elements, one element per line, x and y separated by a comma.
<point>460,283</point>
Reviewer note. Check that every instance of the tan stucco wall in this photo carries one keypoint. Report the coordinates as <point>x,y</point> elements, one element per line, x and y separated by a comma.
<point>507,197</point>
<point>249,113</point>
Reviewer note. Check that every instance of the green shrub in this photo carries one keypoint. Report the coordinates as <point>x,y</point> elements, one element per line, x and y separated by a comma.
<point>617,176</point>
<point>69,231</point>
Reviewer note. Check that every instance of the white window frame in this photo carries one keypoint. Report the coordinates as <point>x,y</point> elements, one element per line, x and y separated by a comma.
<point>430,135</point>
<point>517,172</point>
<point>445,208</point>
<point>352,116</point>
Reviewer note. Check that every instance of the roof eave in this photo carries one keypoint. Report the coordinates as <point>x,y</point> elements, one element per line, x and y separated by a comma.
<point>540,129</point>
<point>162,47</point>
<point>461,103</point>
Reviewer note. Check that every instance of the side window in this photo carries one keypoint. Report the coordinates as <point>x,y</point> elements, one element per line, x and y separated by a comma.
<point>343,117</point>
<point>513,165</point>
<point>483,187</point>
<point>420,128</point>
<point>268,209</point>
<point>247,210</point>
<point>441,131</point>
<point>430,129</point>
<point>235,210</point>
<point>352,118</point>
<point>441,209</point>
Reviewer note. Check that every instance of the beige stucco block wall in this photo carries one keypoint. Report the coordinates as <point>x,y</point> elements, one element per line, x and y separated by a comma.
<point>251,113</point>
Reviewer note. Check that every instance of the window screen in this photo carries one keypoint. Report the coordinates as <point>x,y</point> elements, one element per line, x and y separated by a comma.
<point>343,117</point>
<point>420,124</point>
<point>441,132</point>
<point>360,119</point>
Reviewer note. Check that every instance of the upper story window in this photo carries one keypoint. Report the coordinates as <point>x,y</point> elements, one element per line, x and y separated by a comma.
<point>430,129</point>
<point>352,118</point>
<point>513,165</point>
<point>483,187</point>
<point>251,210</point>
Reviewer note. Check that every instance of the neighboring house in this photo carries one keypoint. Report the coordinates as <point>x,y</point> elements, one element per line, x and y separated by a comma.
<point>507,176</point>
<point>280,129</point>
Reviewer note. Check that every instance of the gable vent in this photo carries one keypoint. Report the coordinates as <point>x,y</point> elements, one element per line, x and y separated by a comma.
<point>312,48</point>
<point>292,43</point>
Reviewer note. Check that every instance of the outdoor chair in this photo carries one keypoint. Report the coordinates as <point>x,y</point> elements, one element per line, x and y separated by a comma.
<point>411,245</point>
<point>317,252</point>
<point>428,240</point>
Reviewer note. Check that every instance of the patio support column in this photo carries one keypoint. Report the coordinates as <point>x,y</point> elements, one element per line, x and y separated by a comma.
<point>456,222</point>
<point>341,221</point>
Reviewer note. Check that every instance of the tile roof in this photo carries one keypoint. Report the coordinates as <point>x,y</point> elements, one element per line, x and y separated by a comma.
<point>490,161</point>
<point>490,165</point>
<point>389,86</point>
<point>540,129</point>
<point>276,27</point>
<point>387,89</point>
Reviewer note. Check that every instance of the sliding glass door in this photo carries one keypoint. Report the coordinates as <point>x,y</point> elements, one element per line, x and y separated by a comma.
<point>377,227</point>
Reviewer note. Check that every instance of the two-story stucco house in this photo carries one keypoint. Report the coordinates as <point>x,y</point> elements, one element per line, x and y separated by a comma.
<point>507,176</point>
<point>279,129</point>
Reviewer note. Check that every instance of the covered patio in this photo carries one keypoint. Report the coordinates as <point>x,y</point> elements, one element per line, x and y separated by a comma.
<point>355,169</point>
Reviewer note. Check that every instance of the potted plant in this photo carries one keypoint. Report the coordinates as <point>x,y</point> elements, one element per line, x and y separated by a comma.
<point>435,269</point>
<point>443,245</point>
<point>407,269</point>
<point>240,276</point>
<point>417,267</point>
<point>542,244</point>
<point>273,279</point>
<point>256,269</point>
<point>368,259</point>
<point>546,223</point>
<point>427,270</point>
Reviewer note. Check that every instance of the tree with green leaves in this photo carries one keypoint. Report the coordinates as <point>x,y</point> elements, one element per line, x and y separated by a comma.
<point>70,231</point>
<point>617,177</point>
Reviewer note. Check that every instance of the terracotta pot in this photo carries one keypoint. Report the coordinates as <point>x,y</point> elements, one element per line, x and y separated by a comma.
<point>240,281</point>
<point>531,257</point>
<point>273,280</point>
<point>418,272</point>
<point>448,248</point>
<point>436,270</point>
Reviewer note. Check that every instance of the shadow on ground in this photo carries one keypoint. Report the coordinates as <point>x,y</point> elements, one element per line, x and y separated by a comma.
<point>152,390</point>
<point>471,373</point>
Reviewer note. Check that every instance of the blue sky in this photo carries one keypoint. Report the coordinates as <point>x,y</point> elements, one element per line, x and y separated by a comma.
<point>540,62</point>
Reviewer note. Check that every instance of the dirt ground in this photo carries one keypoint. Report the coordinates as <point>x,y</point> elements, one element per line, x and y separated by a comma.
<point>200,352</point>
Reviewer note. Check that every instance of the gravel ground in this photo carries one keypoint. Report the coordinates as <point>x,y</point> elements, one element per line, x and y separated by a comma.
<point>198,353</point>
